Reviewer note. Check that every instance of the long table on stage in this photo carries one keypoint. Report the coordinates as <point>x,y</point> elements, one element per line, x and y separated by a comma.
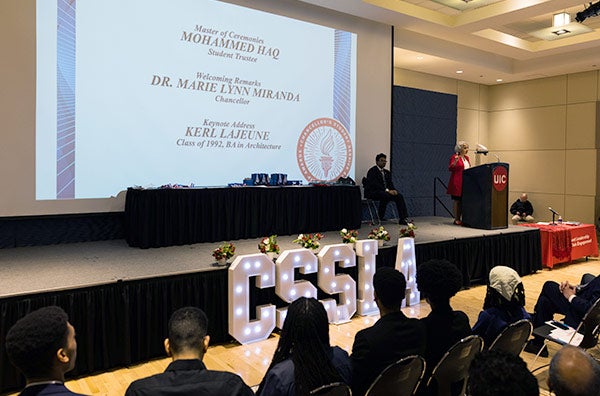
<point>563,243</point>
<point>166,217</point>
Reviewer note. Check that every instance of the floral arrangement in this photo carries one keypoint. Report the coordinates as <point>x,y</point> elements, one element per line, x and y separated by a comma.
<point>349,236</point>
<point>379,234</point>
<point>409,231</point>
<point>269,244</point>
<point>309,241</point>
<point>225,251</point>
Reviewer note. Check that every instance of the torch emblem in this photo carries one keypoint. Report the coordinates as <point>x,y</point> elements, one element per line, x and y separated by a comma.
<point>324,150</point>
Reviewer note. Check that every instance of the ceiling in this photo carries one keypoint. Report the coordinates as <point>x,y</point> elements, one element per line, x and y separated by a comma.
<point>490,41</point>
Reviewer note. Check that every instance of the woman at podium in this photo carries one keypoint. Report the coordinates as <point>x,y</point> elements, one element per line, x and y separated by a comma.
<point>458,163</point>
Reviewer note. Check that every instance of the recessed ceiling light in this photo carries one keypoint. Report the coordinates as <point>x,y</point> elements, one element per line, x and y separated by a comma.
<point>419,57</point>
<point>459,72</point>
<point>499,80</point>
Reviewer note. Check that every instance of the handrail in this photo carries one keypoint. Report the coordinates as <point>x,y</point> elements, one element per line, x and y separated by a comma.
<point>436,198</point>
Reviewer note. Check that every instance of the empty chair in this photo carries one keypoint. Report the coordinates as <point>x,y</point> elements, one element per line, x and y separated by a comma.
<point>450,375</point>
<point>399,379</point>
<point>334,389</point>
<point>513,338</point>
<point>371,205</point>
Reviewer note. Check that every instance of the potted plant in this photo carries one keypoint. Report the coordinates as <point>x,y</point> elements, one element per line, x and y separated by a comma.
<point>349,236</point>
<point>224,253</point>
<point>309,241</point>
<point>408,231</point>
<point>380,234</point>
<point>269,246</point>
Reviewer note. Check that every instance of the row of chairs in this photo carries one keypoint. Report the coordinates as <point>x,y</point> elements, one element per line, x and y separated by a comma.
<point>403,377</point>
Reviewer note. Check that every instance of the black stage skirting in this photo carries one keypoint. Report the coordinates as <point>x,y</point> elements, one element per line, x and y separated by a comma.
<point>124,323</point>
<point>167,217</point>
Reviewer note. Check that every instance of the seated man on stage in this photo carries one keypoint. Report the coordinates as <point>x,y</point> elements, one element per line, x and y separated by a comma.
<point>566,299</point>
<point>187,374</point>
<point>522,210</point>
<point>378,186</point>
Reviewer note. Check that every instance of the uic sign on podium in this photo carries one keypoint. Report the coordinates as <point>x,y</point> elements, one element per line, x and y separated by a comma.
<point>485,196</point>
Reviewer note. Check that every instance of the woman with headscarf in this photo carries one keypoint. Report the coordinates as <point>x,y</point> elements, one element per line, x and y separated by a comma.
<point>458,163</point>
<point>504,304</point>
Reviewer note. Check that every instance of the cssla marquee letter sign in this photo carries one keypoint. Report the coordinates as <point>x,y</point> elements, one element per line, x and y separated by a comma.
<point>353,296</point>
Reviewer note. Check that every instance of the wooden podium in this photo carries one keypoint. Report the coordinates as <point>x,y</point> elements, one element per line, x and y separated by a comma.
<point>485,196</point>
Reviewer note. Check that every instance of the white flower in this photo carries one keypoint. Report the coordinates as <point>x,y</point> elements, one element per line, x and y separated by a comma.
<point>344,230</point>
<point>266,241</point>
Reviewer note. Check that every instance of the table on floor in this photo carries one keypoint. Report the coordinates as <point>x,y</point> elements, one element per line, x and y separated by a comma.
<point>167,217</point>
<point>563,243</point>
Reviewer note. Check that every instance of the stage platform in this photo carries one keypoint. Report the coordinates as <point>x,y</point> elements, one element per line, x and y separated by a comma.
<point>119,298</point>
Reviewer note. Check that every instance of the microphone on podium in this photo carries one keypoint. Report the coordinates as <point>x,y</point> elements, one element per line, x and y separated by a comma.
<point>553,211</point>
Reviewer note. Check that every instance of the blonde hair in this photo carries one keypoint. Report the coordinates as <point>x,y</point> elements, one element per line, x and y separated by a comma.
<point>459,146</point>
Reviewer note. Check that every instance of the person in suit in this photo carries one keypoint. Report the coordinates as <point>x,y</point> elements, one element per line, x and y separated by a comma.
<point>573,372</point>
<point>566,299</point>
<point>458,163</point>
<point>186,374</point>
<point>304,360</point>
<point>378,186</point>
<point>42,346</point>
<point>391,338</point>
<point>503,305</point>
<point>439,280</point>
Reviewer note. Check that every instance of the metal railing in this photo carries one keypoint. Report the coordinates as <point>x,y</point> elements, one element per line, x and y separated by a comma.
<point>436,199</point>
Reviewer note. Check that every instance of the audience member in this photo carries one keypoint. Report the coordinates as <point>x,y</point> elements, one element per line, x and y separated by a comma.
<point>378,186</point>
<point>304,359</point>
<point>42,346</point>
<point>573,372</point>
<point>458,163</point>
<point>499,373</point>
<point>391,338</point>
<point>565,299</point>
<point>522,210</point>
<point>438,281</point>
<point>503,305</point>
<point>186,374</point>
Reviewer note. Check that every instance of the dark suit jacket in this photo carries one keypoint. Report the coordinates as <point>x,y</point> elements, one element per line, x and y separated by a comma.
<point>391,338</point>
<point>189,377</point>
<point>374,181</point>
<point>585,298</point>
<point>48,390</point>
<point>445,328</point>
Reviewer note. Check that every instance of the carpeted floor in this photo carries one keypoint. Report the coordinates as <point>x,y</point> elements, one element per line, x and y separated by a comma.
<point>50,268</point>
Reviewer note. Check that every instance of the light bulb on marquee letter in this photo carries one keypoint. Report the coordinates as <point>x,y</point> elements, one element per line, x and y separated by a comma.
<point>407,264</point>
<point>286,287</point>
<point>366,251</point>
<point>240,326</point>
<point>341,284</point>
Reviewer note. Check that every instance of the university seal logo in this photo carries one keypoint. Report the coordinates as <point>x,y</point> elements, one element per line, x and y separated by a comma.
<point>324,150</point>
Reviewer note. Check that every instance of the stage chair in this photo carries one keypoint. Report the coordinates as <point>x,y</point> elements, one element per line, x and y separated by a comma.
<point>334,389</point>
<point>453,368</point>
<point>371,204</point>
<point>399,379</point>
<point>589,327</point>
<point>513,338</point>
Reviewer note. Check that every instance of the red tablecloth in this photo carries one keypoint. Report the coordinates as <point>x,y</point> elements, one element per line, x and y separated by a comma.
<point>563,243</point>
